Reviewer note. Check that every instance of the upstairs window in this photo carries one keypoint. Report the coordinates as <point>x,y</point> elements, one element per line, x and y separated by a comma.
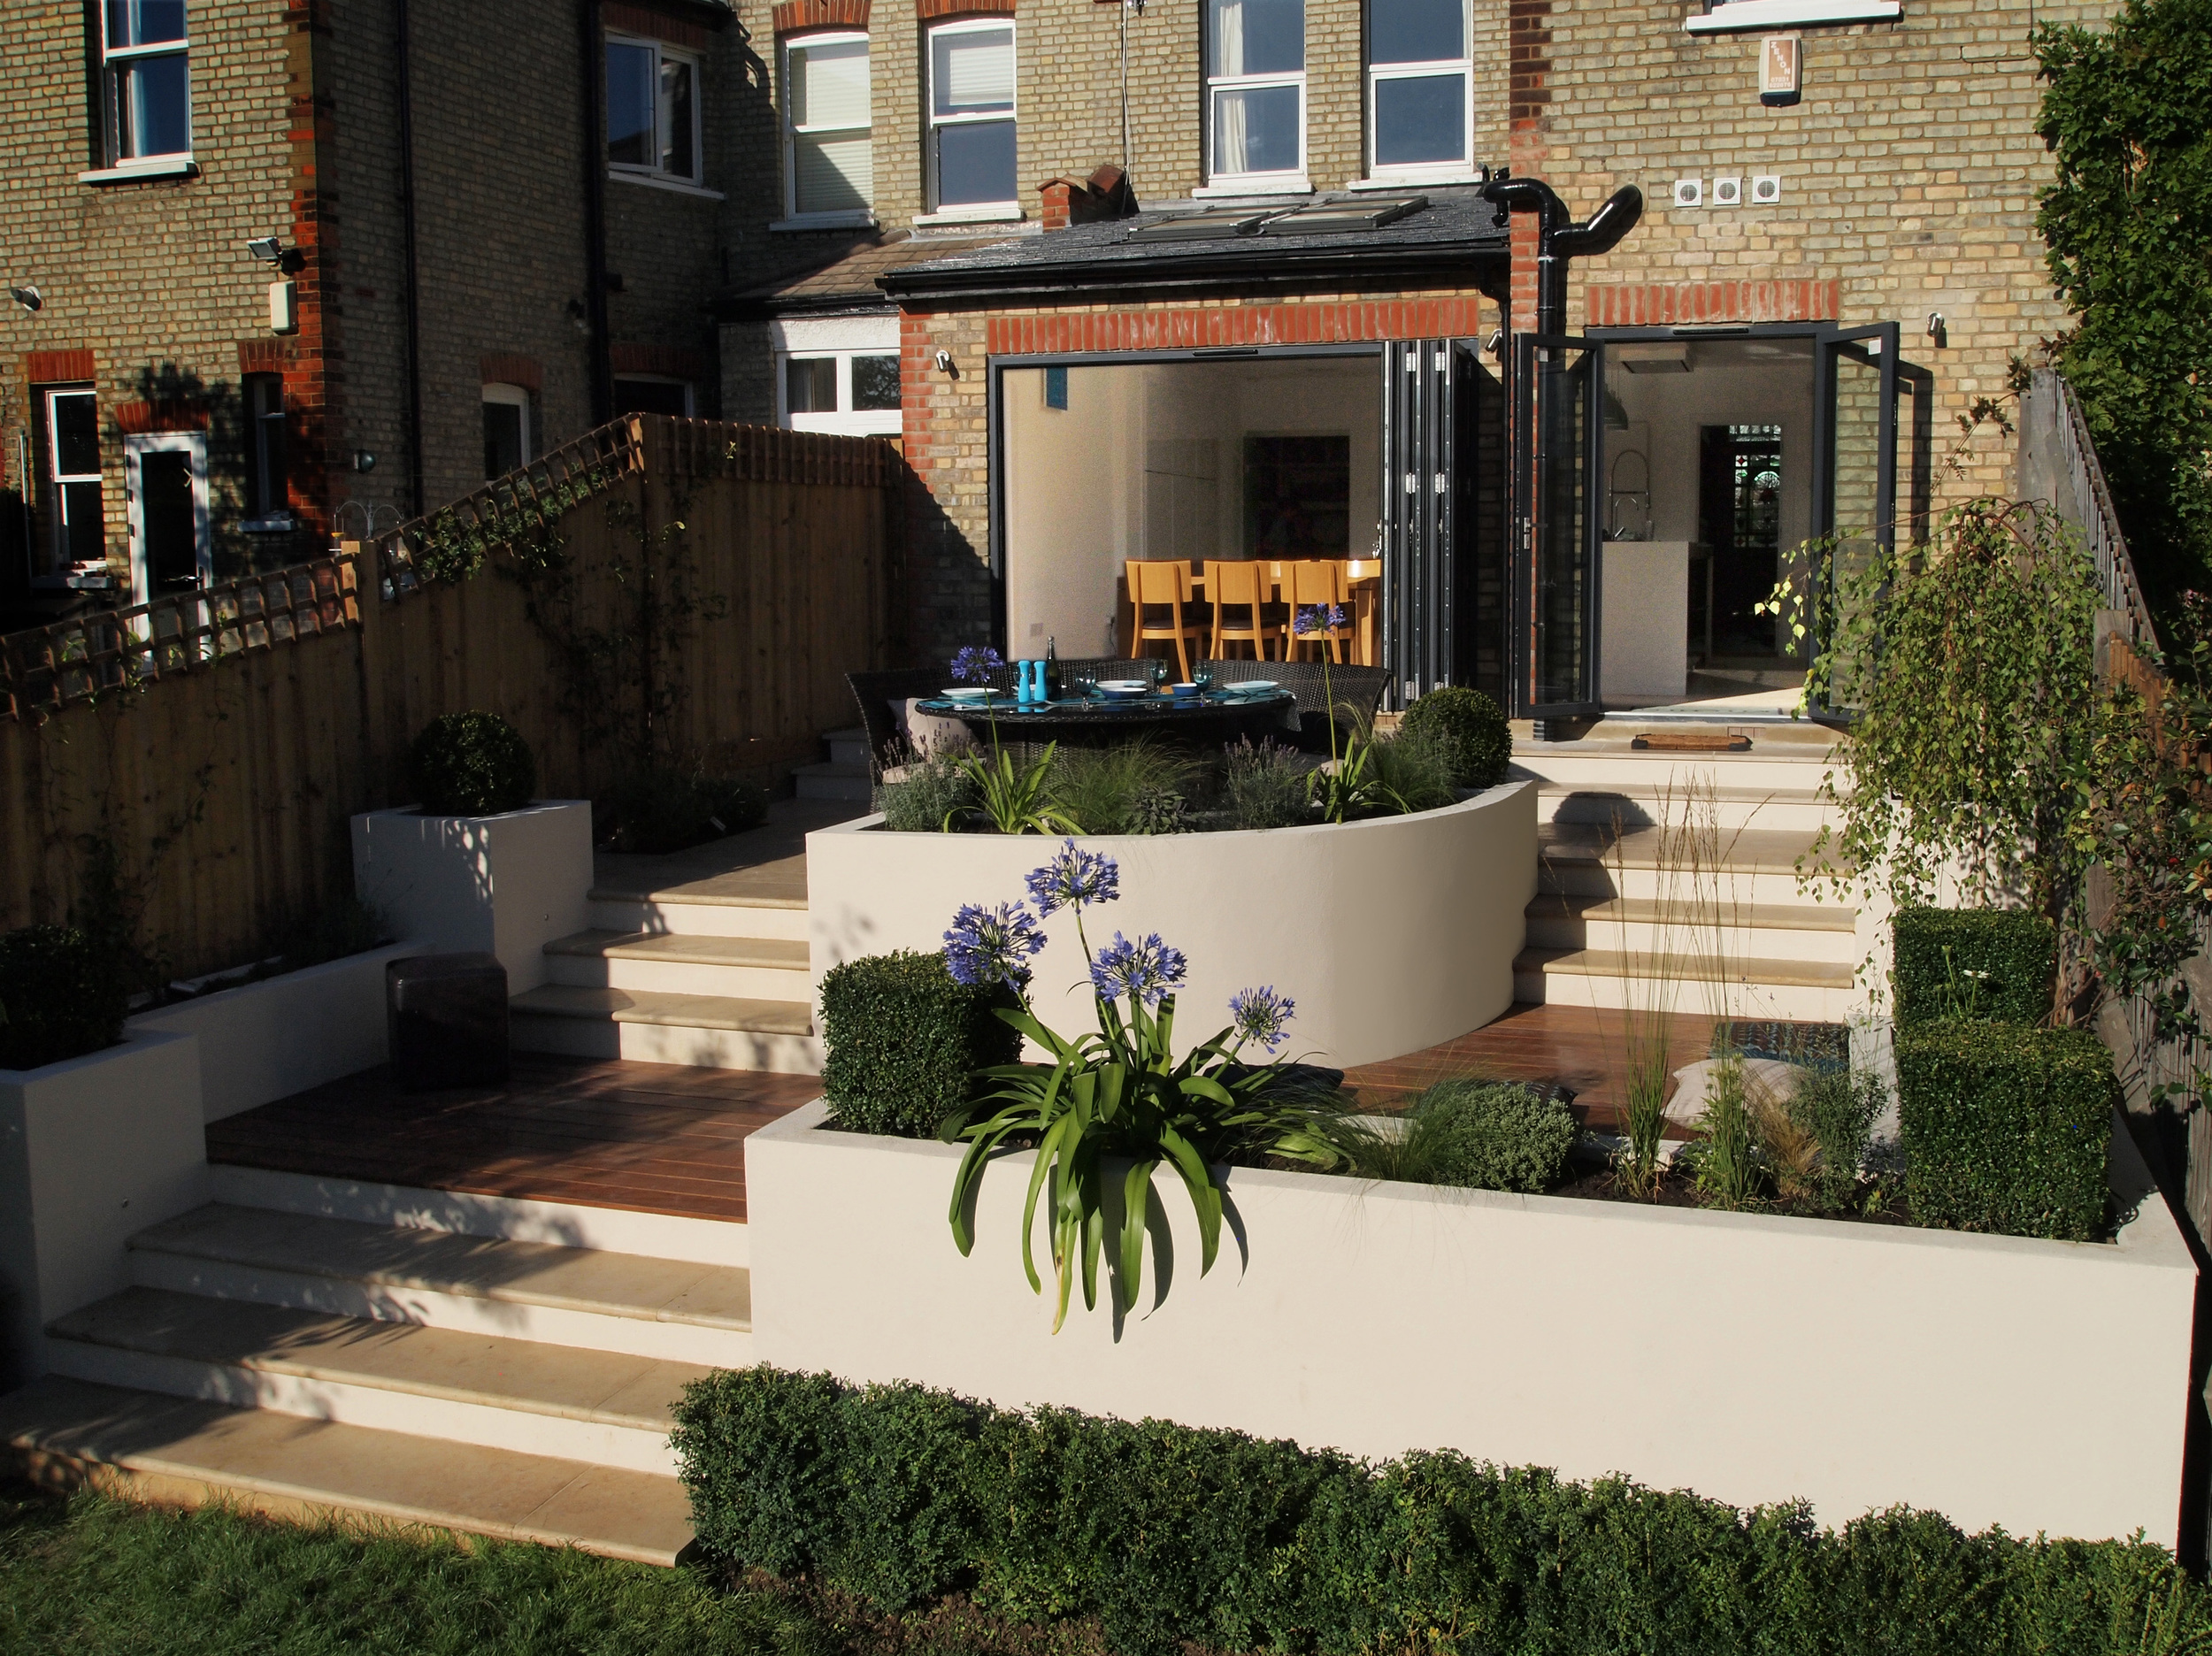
<point>146,79</point>
<point>1417,93</point>
<point>828,160</point>
<point>268,500</point>
<point>1256,88</point>
<point>652,109</point>
<point>971,158</point>
<point>506,430</point>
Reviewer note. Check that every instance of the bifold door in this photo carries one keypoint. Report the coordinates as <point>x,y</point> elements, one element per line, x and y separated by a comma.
<point>1552,616</point>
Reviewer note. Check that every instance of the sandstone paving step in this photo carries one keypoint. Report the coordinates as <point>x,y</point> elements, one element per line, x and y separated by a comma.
<point>536,1290</point>
<point>665,962</point>
<point>781,953</point>
<point>605,1407</point>
<point>686,1011</point>
<point>186,1451</point>
<point>1749,850</point>
<point>656,1026</point>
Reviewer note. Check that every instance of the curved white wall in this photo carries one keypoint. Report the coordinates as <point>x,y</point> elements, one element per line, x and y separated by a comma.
<point>1392,935</point>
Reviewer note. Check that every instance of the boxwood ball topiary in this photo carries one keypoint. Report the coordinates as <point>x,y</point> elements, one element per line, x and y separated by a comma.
<point>902,1042</point>
<point>60,997</point>
<point>472,764</point>
<point>1471,730</point>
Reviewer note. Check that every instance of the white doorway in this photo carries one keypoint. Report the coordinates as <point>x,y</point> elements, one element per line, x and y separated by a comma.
<point>164,477</point>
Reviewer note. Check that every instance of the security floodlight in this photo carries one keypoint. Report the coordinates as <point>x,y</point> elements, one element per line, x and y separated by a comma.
<point>268,250</point>
<point>29,298</point>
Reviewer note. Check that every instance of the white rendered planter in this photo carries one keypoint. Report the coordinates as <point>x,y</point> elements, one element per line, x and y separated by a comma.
<point>267,1040</point>
<point>1391,934</point>
<point>92,1149</point>
<point>506,884</point>
<point>2040,1385</point>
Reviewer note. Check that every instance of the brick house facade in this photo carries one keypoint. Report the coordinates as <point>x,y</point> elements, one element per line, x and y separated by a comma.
<point>321,124</point>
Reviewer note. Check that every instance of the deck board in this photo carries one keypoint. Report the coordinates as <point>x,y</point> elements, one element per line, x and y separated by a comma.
<point>664,1139</point>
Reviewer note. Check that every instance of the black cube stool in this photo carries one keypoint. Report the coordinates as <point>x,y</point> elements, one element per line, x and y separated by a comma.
<point>446,1017</point>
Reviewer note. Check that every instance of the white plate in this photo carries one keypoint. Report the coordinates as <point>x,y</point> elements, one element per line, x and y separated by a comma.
<point>1246,686</point>
<point>963,693</point>
<point>1122,689</point>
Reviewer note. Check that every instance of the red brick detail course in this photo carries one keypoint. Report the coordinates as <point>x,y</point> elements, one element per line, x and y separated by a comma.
<point>930,10</point>
<point>791,16</point>
<point>1206,326</point>
<point>260,356</point>
<point>675,361</point>
<point>56,367</point>
<point>187,414</point>
<point>507,368</point>
<point>655,24</point>
<point>1661,304</point>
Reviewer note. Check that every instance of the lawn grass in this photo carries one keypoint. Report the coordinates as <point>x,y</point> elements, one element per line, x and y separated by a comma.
<point>92,1575</point>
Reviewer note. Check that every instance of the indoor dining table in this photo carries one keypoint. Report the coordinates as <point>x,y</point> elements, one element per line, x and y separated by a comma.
<point>1362,581</point>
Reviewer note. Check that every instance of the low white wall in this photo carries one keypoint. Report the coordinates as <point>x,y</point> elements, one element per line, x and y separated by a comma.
<point>2040,1385</point>
<point>264,1042</point>
<point>505,885</point>
<point>91,1150</point>
<point>1391,934</point>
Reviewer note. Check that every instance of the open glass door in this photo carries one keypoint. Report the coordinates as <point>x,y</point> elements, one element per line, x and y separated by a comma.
<point>1417,511</point>
<point>1558,453</point>
<point>1855,491</point>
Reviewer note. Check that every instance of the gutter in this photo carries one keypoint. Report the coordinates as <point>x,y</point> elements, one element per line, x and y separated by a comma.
<point>1266,267</point>
<point>598,360</point>
<point>411,278</point>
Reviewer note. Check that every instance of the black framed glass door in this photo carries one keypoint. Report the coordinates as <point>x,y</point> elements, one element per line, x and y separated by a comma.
<point>1855,496</point>
<point>1559,457</point>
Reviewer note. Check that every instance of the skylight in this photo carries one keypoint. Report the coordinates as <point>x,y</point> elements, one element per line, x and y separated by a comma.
<point>1338,218</point>
<point>1215,221</point>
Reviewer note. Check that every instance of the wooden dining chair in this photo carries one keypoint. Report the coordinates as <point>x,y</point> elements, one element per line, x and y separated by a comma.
<point>1241,585</point>
<point>1305,584</point>
<point>1164,583</point>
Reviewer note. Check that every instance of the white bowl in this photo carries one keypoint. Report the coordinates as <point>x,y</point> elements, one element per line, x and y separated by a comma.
<point>1122,689</point>
<point>963,693</point>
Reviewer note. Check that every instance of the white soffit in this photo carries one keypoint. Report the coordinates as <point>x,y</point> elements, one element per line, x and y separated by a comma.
<point>834,334</point>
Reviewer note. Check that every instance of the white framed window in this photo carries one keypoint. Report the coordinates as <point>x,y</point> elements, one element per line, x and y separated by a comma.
<point>1420,107</point>
<point>268,496</point>
<point>146,80</point>
<point>506,430</point>
<point>652,109</point>
<point>1255,90</point>
<point>854,392</point>
<point>69,423</point>
<point>828,154</point>
<point>971,148</point>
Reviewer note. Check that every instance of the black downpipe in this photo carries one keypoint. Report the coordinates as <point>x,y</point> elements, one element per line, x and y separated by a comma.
<point>1558,239</point>
<point>410,285</point>
<point>595,59</point>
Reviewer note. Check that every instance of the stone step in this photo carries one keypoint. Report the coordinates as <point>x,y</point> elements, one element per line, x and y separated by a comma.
<point>605,1408</point>
<point>1800,809</point>
<point>186,1452</point>
<point>848,747</point>
<point>1825,992</point>
<point>1754,865</point>
<point>760,968</point>
<point>1613,763</point>
<point>1646,928</point>
<point>708,1031</point>
<point>833,781</point>
<point>583,1297</point>
<point>690,913</point>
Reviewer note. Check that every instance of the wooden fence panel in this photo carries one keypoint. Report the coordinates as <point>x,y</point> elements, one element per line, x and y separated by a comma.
<point>223,788</point>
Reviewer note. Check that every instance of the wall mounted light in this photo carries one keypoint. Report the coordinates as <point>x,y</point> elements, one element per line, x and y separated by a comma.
<point>944,362</point>
<point>268,250</point>
<point>29,298</point>
<point>1496,347</point>
<point>1939,330</point>
<point>364,461</point>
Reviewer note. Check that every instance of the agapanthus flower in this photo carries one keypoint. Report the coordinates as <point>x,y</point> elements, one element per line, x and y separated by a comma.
<point>1074,877</point>
<point>991,946</point>
<point>1320,618</point>
<point>1259,1014</point>
<point>975,665</point>
<point>1144,970</point>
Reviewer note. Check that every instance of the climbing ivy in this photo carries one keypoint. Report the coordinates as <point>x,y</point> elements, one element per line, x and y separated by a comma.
<point>2127,223</point>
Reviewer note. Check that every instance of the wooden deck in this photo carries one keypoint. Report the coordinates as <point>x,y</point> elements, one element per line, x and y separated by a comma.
<point>664,1139</point>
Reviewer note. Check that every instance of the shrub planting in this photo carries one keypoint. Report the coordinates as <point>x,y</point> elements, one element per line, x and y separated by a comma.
<point>472,764</point>
<point>1995,963</point>
<point>1132,787</point>
<point>928,792</point>
<point>1490,1135</point>
<point>1264,783</point>
<point>902,1042</point>
<point>667,808</point>
<point>2006,1129</point>
<point>61,996</point>
<point>1168,1534</point>
<point>1470,730</point>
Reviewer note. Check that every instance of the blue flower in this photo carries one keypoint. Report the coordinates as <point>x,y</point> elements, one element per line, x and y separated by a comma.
<point>1143,971</point>
<point>1259,1014</point>
<point>989,946</point>
<point>1074,877</point>
<point>1320,618</point>
<point>976,663</point>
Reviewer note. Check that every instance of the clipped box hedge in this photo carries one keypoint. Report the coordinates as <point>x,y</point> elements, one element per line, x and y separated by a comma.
<point>1166,1533</point>
<point>902,1041</point>
<point>2006,1129</point>
<point>2017,950</point>
<point>61,996</point>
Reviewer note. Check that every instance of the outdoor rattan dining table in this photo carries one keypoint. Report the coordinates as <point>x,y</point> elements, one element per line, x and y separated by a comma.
<point>1093,721</point>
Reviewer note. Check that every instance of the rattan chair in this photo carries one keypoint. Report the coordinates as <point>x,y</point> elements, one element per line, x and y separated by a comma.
<point>1358,691</point>
<point>876,692</point>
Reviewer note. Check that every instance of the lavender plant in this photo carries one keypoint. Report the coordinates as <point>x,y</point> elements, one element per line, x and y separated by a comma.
<point>1120,1093</point>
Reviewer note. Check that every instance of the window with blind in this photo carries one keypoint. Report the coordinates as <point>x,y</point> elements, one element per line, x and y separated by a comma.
<point>828,164</point>
<point>1417,76</point>
<point>971,115</point>
<point>1256,88</point>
